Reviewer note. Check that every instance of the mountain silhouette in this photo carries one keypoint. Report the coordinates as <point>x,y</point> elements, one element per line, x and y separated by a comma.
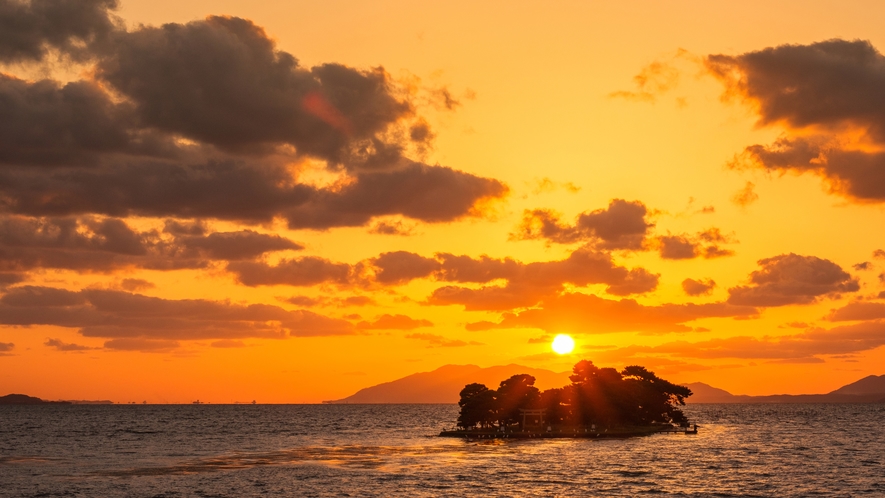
<point>444,384</point>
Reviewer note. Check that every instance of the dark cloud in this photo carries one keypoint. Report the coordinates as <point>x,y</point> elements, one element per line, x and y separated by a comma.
<point>306,271</point>
<point>121,315</point>
<point>677,247</point>
<point>95,244</point>
<point>622,225</point>
<point>857,310</point>
<point>792,279</point>
<point>46,123</point>
<point>233,190</point>
<point>222,81</point>
<point>141,345</point>
<point>824,83</point>
<point>879,254</point>
<point>136,284</point>
<point>29,29</point>
<point>866,265</point>
<point>245,244</point>
<point>392,228</point>
<point>428,193</point>
<point>8,278</point>
<point>400,267</point>
<point>694,287</point>
<point>435,340</point>
<point>6,347</point>
<point>825,88</point>
<point>394,322</point>
<point>65,346</point>
<point>588,314</point>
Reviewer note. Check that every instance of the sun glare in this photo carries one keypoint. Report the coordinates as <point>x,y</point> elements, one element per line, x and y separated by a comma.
<point>563,344</point>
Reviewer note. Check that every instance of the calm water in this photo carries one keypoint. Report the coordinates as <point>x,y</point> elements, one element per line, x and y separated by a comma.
<point>364,450</point>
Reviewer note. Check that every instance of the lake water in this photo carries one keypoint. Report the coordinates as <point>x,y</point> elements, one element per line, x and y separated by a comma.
<point>391,450</point>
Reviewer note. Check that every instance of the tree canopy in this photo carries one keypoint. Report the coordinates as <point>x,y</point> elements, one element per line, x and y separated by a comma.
<point>603,397</point>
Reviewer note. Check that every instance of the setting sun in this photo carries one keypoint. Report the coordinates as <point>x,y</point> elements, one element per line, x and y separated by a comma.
<point>563,344</point>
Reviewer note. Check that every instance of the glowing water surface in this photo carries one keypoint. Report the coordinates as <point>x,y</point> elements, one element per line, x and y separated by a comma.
<point>391,450</point>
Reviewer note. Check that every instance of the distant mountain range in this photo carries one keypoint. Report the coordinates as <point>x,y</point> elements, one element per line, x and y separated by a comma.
<point>444,384</point>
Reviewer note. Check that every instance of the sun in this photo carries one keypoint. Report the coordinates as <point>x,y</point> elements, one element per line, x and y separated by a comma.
<point>563,344</point>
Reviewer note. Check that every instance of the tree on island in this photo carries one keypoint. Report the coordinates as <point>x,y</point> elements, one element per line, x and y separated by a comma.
<point>602,397</point>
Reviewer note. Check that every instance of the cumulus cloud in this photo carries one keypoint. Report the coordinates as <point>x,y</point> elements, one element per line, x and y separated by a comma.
<point>589,314</point>
<point>130,318</point>
<point>694,287</point>
<point>30,29</point>
<point>394,322</point>
<point>111,144</point>
<point>829,90</point>
<point>622,225</point>
<point>792,279</point>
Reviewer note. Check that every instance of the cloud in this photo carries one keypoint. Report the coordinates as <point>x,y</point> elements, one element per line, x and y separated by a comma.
<point>248,192</point>
<point>223,82</point>
<point>529,283</point>
<point>857,310</point>
<point>141,345</point>
<point>45,123</point>
<point>392,228</point>
<point>704,244</point>
<point>589,314</point>
<point>104,244</point>
<point>394,322</point>
<point>694,287</point>
<point>250,116</point>
<point>64,346</point>
<point>118,315</point>
<point>29,30</point>
<point>400,267</point>
<point>136,284</point>
<point>652,81</point>
<point>792,279</point>
<point>6,347</point>
<point>828,91</point>
<point>434,340</point>
<point>866,265</point>
<point>306,271</point>
<point>622,225</point>
<point>745,196</point>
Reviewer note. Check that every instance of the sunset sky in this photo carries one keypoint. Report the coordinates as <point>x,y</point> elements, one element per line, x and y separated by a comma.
<point>289,201</point>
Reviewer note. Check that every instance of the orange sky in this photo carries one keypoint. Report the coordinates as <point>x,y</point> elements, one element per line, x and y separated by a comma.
<point>295,200</point>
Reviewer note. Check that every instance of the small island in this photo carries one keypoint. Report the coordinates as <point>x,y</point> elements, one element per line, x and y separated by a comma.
<point>599,403</point>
